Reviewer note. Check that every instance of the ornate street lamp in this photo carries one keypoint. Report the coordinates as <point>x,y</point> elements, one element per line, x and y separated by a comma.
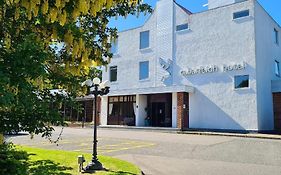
<point>96,88</point>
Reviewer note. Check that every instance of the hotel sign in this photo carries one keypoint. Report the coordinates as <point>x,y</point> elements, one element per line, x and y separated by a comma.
<point>213,69</point>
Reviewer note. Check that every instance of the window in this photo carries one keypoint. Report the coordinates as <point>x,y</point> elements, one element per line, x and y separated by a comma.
<point>113,73</point>
<point>114,47</point>
<point>144,39</point>
<point>277,69</point>
<point>121,110</point>
<point>144,70</point>
<point>241,14</point>
<point>276,36</point>
<point>182,27</point>
<point>241,81</point>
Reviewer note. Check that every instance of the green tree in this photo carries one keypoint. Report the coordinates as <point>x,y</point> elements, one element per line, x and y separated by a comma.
<point>51,44</point>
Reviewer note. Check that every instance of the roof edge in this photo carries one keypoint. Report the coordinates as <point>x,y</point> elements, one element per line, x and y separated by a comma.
<point>183,8</point>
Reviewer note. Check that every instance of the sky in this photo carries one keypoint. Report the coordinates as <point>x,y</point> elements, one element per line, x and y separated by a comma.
<point>273,7</point>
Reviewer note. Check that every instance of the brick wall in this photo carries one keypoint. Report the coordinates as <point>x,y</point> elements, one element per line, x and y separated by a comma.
<point>182,110</point>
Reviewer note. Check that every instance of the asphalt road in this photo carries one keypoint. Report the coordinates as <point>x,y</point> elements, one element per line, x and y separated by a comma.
<point>161,153</point>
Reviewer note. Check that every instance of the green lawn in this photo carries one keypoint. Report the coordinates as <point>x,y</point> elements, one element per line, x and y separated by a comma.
<point>56,162</point>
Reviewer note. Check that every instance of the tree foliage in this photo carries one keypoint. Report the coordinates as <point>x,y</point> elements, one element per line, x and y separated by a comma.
<point>51,44</point>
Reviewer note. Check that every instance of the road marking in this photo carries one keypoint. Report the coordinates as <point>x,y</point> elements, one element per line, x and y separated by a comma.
<point>116,147</point>
<point>128,148</point>
<point>84,144</point>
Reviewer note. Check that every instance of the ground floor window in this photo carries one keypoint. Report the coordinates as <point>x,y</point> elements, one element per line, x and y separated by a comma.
<point>121,110</point>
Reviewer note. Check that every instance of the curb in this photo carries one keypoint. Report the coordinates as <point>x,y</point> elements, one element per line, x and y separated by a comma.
<point>252,135</point>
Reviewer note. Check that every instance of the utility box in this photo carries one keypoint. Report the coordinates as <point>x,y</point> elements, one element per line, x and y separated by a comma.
<point>81,159</point>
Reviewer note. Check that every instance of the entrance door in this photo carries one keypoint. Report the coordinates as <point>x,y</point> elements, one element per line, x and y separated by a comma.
<point>186,111</point>
<point>277,111</point>
<point>158,114</point>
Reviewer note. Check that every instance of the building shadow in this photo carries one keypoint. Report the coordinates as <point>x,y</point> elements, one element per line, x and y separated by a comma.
<point>212,116</point>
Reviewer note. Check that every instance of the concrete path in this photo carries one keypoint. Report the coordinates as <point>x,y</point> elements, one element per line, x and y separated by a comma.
<point>161,153</point>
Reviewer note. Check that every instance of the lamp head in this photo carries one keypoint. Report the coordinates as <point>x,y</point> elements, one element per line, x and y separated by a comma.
<point>96,81</point>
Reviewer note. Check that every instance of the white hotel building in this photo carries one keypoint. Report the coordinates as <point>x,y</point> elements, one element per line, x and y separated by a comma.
<point>216,69</point>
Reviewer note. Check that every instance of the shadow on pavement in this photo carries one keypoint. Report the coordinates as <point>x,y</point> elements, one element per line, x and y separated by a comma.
<point>119,172</point>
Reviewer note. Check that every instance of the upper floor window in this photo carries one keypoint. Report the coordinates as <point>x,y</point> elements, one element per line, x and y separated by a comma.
<point>241,14</point>
<point>144,39</point>
<point>182,27</point>
<point>241,81</point>
<point>144,70</point>
<point>276,36</point>
<point>114,47</point>
<point>277,68</point>
<point>113,73</point>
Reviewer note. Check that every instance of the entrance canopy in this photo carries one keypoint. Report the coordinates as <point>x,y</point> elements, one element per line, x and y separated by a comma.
<point>151,90</point>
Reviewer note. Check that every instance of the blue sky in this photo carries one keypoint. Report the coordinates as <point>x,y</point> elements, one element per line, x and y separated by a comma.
<point>273,7</point>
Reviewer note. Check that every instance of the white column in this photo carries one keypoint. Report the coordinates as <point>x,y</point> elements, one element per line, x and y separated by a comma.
<point>174,109</point>
<point>164,37</point>
<point>141,114</point>
<point>103,114</point>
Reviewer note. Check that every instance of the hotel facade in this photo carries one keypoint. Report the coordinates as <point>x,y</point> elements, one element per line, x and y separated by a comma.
<point>216,69</point>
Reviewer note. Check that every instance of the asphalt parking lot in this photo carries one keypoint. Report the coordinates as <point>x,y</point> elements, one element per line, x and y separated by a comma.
<point>170,153</point>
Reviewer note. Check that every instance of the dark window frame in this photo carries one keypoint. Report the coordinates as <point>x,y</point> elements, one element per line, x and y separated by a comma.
<point>111,78</point>
<point>244,84</point>
<point>241,14</point>
<point>182,27</point>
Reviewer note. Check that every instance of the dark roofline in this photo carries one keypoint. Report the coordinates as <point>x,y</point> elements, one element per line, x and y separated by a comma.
<point>183,8</point>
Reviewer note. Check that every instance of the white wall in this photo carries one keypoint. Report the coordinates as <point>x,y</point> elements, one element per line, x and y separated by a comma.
<point>218,3</point>
<point>129,55</point>
<point>161,26</point>
<point>216,39</point>
<point>266,54</point>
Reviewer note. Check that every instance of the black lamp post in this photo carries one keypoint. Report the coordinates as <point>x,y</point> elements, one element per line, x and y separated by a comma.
<point>97,89</point>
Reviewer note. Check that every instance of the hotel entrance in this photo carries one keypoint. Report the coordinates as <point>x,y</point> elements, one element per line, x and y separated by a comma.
<point>160,110</point>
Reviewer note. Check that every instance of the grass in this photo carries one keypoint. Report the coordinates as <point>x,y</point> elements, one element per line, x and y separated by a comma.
<point>57,162</point>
